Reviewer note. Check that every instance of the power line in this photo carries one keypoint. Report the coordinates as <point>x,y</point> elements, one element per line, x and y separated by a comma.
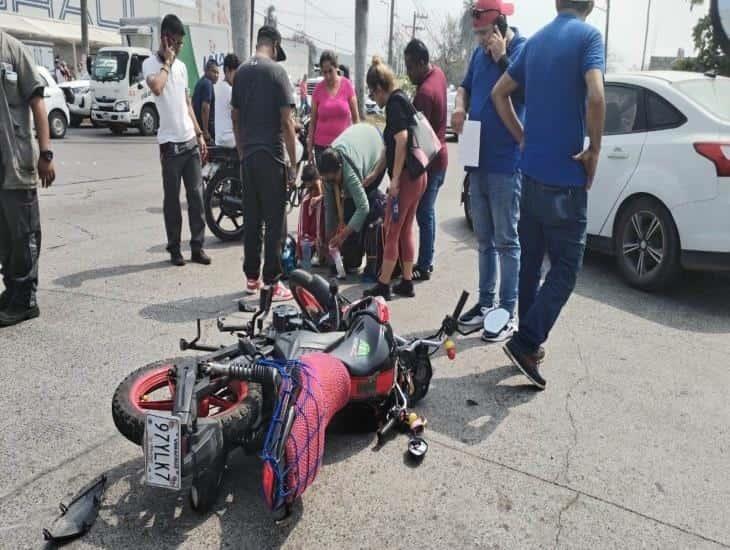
<point>308,36</point>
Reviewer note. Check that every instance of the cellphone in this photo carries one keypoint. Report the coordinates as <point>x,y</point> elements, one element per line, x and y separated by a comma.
<point>501,24</point>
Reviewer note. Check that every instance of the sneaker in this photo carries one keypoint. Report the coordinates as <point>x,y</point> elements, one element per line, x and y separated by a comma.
<point>253,286</point>
<point>281,293</point>
<point>177,259</point>
<point>504,334</point>
<point>405,289</point>
<point>421,274</point>
<point>200,257</point>
<point>13,315</point>
<point>526,363</point>
<point>475,316</point>
<point>379,290</point>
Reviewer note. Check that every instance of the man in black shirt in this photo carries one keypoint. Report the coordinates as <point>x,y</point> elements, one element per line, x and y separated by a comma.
<point>262,124</point>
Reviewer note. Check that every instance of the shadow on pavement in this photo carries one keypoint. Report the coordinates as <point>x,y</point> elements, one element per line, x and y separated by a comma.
<point>469,409</point>
<point>211,245</point>
<point>191,309</point>
<point>157,210</point>
<point>136,516</point>
<point>77,279</point>
<point>698,303</point>
<point>457,229</point>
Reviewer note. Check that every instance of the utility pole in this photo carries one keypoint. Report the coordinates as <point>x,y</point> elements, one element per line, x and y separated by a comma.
<point>390,36</point>
<point>84,29</point>
<point>646,35</point>
<point>242,26</point>
<point>415,27</point>
<point>361,48</point>
<point>608,27</point>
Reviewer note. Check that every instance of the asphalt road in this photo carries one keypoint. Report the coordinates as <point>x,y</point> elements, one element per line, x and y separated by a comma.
<point>629,446</point>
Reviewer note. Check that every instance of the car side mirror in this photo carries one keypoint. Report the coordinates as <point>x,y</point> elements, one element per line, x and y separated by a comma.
<point>720,14</point>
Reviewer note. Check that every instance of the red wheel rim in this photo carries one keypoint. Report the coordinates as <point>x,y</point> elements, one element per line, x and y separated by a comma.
<point>155,391</point>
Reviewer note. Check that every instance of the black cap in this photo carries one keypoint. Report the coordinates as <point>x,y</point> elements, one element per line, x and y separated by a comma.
<point>271,33</point>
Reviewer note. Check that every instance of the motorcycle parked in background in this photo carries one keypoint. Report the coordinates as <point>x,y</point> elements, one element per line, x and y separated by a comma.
<point>223,187</point>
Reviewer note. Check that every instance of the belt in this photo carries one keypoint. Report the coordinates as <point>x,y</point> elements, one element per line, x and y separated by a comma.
<point>173,149</point>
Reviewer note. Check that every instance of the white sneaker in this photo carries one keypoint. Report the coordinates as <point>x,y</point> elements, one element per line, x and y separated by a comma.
<point>475,316</point>
<point>281,293</point>
<point>504,334</point>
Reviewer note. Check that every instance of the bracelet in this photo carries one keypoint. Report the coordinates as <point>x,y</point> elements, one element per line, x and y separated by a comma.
<point>164,68</point>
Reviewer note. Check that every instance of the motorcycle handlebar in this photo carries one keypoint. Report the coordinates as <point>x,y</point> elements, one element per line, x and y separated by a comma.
<point>245,370</point>
<point>460,306</point>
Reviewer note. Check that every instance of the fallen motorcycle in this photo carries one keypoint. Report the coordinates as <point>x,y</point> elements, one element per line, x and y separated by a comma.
<point>273,393</point>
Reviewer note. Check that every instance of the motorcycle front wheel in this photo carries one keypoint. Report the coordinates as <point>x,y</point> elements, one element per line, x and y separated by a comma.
<point>224,205</point>
<point>151,389</point>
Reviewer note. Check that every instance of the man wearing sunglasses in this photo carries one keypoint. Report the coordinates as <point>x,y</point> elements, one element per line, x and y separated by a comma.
<point>561,71</point>
<point>494,187</point>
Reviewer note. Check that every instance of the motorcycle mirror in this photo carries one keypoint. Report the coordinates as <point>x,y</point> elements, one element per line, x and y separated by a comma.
<point>720,14</point>
<point>496,320</point>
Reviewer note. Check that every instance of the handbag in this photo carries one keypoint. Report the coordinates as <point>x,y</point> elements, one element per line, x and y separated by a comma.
<point>423,143</point>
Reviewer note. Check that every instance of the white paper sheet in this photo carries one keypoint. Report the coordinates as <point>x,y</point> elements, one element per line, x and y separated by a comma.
<point>469,144</point>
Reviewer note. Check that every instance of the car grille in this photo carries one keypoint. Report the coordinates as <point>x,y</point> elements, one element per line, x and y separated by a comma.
<point>108,109</point>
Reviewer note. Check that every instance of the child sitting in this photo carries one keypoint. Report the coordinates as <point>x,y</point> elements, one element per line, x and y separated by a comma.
<point>310,235</point>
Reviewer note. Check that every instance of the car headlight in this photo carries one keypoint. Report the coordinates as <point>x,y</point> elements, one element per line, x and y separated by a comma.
<point>121,106</point>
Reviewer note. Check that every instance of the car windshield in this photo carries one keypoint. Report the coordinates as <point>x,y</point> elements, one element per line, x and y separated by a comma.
<point>110,66</point>
<point>711,93</point>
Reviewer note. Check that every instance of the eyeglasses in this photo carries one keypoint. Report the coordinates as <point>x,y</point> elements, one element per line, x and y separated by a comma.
<point>477,13</point>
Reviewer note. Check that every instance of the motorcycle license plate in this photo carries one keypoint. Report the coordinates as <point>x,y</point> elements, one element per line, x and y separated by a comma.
<point>162,456</point>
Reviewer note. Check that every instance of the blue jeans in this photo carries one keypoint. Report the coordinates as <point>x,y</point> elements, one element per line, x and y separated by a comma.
<point>553,221</point>
<point>495,206</point>
<point>426,217</point>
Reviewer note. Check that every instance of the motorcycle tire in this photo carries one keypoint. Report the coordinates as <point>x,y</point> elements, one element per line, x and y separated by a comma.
<point>214,220</point>
<point>129,417</point>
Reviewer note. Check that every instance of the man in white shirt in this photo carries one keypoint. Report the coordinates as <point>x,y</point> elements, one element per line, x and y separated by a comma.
<point>224,136</point>
<point>182,146</point>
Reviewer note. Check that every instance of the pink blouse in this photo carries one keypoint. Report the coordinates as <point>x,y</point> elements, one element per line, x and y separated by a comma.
<point>333,113</point>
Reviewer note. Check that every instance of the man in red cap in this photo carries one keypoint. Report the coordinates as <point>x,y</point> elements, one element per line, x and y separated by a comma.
<point>495,185</point>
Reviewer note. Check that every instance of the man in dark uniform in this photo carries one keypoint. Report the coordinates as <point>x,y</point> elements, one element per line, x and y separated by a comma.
<point>22,167</point>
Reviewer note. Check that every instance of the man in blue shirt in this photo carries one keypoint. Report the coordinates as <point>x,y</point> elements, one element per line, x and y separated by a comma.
<point>560,70</point>
<point>204,100</point>
<point>494,187</point>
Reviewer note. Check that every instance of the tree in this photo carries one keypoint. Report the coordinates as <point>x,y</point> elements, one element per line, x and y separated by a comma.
<point>451,54</point>
<point>710,56</point>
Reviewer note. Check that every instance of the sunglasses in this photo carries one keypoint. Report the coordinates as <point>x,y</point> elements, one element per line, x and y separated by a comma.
<point>478,13</point>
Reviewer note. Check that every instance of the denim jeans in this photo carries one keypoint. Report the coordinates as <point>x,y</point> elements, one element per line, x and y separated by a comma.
<point>495,206</point>
<point>553,221</point>
<point>426,217</point>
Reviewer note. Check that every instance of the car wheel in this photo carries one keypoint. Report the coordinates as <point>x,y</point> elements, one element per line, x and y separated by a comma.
<point>148,122</point>
<point>57,124</point>
<point>647,245</point>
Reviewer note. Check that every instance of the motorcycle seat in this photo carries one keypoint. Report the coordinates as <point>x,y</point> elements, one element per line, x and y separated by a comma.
<point>291,345</point>
<point>365,350</point>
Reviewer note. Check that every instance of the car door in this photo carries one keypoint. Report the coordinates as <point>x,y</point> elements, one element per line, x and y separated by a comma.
<point>624,137</point>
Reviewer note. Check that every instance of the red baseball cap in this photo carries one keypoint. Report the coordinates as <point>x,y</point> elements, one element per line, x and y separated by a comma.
<point>485,12</point>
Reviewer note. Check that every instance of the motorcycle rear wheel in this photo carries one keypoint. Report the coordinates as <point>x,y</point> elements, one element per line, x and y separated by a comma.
<point>150,389</point>
<point>224,220</point>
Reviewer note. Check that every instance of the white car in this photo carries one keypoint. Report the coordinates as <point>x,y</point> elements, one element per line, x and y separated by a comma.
<point>59,117</point>
<point>78,98</point>
<point>660,201</point>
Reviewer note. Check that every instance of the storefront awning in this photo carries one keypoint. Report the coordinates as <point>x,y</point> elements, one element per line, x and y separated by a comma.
<point>30,28</point>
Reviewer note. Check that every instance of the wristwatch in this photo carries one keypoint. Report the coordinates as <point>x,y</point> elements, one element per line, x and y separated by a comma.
<point>47,155</point>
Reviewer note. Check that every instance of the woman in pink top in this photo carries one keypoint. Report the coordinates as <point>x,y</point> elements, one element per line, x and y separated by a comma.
<point>334,107</point>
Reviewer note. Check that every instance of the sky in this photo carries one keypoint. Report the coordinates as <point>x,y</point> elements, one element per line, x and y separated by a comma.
<point>331,23</point>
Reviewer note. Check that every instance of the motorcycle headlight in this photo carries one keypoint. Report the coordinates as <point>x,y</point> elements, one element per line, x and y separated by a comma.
<point>121,106</point>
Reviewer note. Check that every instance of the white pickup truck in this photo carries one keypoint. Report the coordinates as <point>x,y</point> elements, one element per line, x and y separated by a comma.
<point>121,98</point>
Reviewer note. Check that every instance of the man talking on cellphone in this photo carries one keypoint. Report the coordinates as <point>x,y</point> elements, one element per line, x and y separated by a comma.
<point>495,185</point>
<point>560,70</point>
<point>182,145</point>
